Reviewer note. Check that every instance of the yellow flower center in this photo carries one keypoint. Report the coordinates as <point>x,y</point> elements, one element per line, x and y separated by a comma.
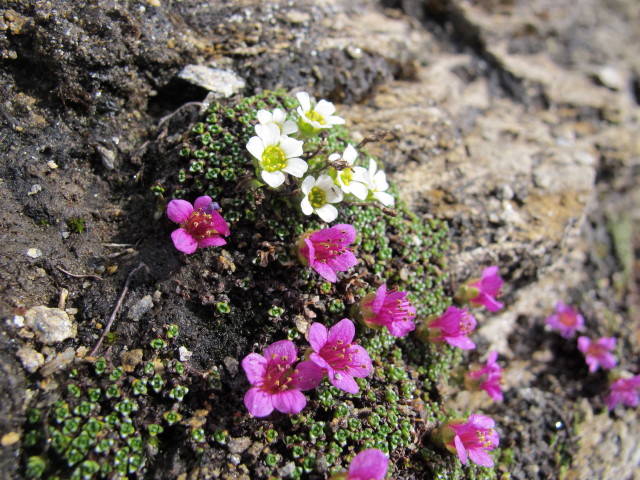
<point>315,117</point>
<point>317,197</point>
<point>273,159</point>
<point>346,175</point>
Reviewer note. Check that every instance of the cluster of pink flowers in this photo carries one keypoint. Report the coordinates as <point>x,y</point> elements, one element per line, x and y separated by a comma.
<point>277,381</point>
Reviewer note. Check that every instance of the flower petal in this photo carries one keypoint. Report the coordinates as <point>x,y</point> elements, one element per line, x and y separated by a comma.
<point>256,146</point>
<point>307,375</point>
<point>317,336</point>
<point>462,452</point>
<point>258,402</point>
<point>370,464</point>
<point>381,293</point>
<point>202,203</point>
<point>385,198</point>
<point>305,205</point>
<point>212,242</point>
<point>296,167</point>
<point>307,184</point>
<point>179,210</point>
<point>292,401</point>
<point>281,348</point>
<point>291,147</point>
<point>255,367</point>
<point>273,179</point>
<point>264,116</point>
<point>344,330</point>
<point>325,271</point>
<point>320,362</point>
<point>183,241</point>
<point>327,212</point>
<point>359,190</point>
<point>480,457</point>
<point>401,328</point>
<point>303,98</point>
<point>344,381</point>
<point>461,342</point>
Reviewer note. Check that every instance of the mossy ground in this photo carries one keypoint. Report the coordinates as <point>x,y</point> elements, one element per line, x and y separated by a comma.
<point>257,285</point>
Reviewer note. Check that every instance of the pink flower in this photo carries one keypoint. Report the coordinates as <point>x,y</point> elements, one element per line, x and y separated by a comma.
<point>485,290</point>
<point>327,251</point>
<point>276,383</point>
<point>369,464</point>
<point>598,354</point>
<point>566,319</point>
<point>200,225</point>
<point>472,438</point>
<point>336,355</point>
<point>624,390</point>
<point>452,327</point>
<point>388,309</point>
<point>488,378</point>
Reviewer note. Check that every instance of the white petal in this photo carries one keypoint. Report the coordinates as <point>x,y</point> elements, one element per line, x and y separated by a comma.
<point>350,154</point>
<point>264,117</point>
<point>255,147</point>
<point>303,98</point>
<point>325,182</point>
<point>333,157</point>
<point>360,174</point>
<point>270,134</point>
<point>327,212</point>
<point>358,189</point>
<point>307,209</point>
<point>334,194</point>
<point>380,181</point>
<point>334,120</point>
<point>278,116</point>
<point>384,198</point>
<point>324,108</point>
<point>307,184</point>
<point>273,179</point>
<point>291,147</point>
<point>373,166</point>
<point>296,167</point>
<point>289,127</point>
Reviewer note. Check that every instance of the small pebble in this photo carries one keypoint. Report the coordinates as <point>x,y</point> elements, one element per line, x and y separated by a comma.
<point>141,307</point>
<point>34,253</point>
<point>31,359</point>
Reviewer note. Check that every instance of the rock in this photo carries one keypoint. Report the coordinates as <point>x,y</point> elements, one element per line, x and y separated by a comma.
<point>9,439</point>
<point>50,325</point>
<point>239,445</point>
<point>131,359</point>
<point>141,307</point>
<point>34,253</point>
<point>232,365</point>
<point>224,83</point>
<point>58,362</point>
<point>31,359</point>
<point>184,354</point>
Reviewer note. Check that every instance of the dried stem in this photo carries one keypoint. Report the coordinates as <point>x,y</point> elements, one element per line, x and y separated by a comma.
<point>75,275</point>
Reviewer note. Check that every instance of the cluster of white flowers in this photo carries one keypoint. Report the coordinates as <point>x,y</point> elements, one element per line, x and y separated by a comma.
<point>277,152</point>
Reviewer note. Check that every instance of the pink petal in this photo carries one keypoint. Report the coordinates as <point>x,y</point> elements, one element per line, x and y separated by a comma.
<point>320,361</point>
<point>179,210</point>
<point>370,464</point>
<point>344,381</point>
<point>400,328</point>
<point>212,242</point>
<point>482,421</point>
<point>255,367</point>
<point>344,330</point>
<point>308,251</point>
<point>583,344</point>
<point>493,356</point>
<point>461,342</point>
<point>291,402</point>
<point>488,301</point>
<point>281,348</point>
<point>317,336</point>
<point>491,281</point>
<point>361,365</point>
<point>325,271</point>
<point>343,262</point>
<point>202,203</point>
<point>220,224</point>
<point>480,457</point>
<point>608,342</point>
<point>258,402</point>
<point>307,375</point>
<point>462,452</point>
<point>183,241</point>
<point>381,293</point>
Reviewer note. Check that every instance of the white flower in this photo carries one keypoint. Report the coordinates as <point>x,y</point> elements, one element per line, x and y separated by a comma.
<point>320,116</point>
<point>279,117</point>
<point>376,181</point>
<point>318,195</point>
<point>345,177</point>
<point>277,154</point>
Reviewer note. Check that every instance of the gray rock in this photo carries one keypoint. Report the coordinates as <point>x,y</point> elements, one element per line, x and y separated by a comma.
<point>31,359</point>
<point>141,307</point>
<point>222,82</point>
<point>59,362</point>
<point>50,325</point>
<point>239,445</point>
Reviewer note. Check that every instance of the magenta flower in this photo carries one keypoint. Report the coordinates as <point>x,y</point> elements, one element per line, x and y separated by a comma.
<point>452,327</point>
<point>485,290</point>
<point>566,320</point>
<point>624,390</point>
<point>276,383</point>
<point>487,378</point>
<point>369,464</point>
<point>327,251</point>
<point>598,353</point>
<point>200,225</point>
<point>388,309</point>
<point>472,438</point>
<point>337,356</point>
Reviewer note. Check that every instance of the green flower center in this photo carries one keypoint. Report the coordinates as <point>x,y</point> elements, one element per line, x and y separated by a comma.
<point>317,197</point>
<point>273,159</point>
<point>315,117</point>
<point>346,175</point>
